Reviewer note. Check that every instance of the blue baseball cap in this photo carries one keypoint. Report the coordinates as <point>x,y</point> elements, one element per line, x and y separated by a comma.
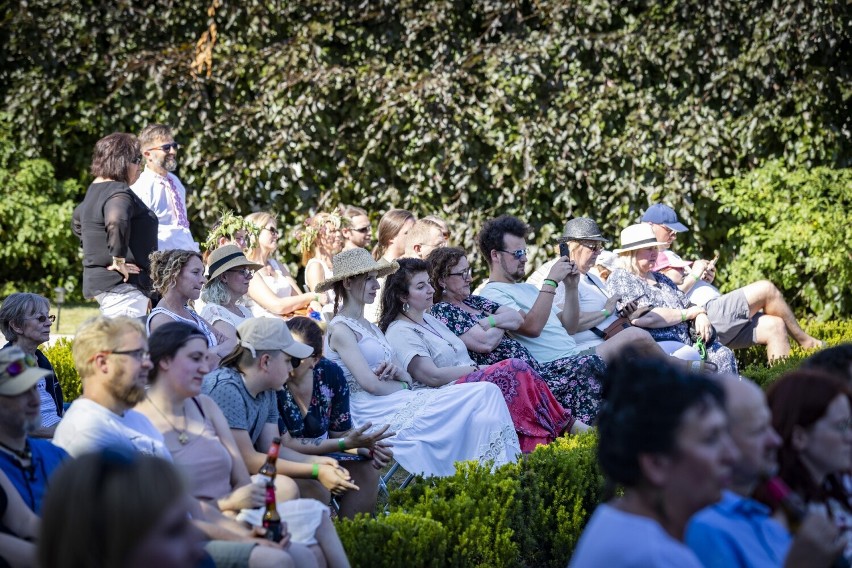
<point>660,214</point>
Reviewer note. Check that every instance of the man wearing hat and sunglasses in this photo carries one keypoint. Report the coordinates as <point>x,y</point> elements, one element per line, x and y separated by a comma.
<point>754,314</point>
<point>599,321</point>
<point>27,462</point>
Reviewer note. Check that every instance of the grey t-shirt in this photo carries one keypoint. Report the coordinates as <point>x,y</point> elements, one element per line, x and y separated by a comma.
<point>243,411</point>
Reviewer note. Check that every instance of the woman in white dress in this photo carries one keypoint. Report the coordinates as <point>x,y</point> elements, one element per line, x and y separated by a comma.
<point>434,427</point>
<point>275,292</point>
<point>319,241</point>
<point>228,275</point>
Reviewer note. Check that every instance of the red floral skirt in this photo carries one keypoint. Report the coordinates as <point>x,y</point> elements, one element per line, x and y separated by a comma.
<point>537,415</point>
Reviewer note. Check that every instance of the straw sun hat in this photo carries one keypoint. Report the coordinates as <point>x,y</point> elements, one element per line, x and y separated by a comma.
<point>354,262</point>
<point>638,237</point>
<point>227,257</point>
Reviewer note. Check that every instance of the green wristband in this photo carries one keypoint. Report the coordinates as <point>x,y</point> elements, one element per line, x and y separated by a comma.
<point>404,385</point>
<point>606,312</point>
<point>697,278</point>
<point>682,316</point>
<point>341,443</point>
<point>315,471</point>
<point>491,321</point>
<point>550,282</point>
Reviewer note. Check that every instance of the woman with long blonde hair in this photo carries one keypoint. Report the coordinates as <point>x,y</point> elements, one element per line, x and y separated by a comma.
<point>275,292</point>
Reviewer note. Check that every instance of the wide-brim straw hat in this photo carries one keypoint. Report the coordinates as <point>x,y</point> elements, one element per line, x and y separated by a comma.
<point>637,237</point>
<point>583,229</point>
<point>355,262</point>
<point>227,257</point>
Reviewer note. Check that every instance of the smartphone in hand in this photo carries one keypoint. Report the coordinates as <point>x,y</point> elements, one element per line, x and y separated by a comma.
<point>563,250</point>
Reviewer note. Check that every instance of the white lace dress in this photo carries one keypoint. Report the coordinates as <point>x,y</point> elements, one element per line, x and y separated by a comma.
<point>435,427</point>
<point>214,312</point>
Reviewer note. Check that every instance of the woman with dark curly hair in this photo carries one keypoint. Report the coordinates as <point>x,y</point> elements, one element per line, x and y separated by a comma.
<point>662,437</point>
<point>116,229</point>
<point>435,357</point>
<point>179,277</point>
<point>482,324</point>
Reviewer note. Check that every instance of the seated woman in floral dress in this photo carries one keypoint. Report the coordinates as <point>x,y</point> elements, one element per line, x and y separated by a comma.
<point>481,324</point>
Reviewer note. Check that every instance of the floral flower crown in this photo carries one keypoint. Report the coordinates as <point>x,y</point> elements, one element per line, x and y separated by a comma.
<point>229,225</point>
<point>314,226</point>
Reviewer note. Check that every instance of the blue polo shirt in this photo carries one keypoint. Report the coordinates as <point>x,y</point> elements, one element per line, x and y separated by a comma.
<point>737,532</point>
<point>31,482</point>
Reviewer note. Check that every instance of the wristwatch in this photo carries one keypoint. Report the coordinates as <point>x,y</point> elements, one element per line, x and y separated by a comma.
<point>118,261</point>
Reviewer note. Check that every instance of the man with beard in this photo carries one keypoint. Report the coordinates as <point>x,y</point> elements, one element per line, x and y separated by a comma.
<point>111,356</point>
<point>27,462</point>
<point>739,531</point>
<point>546,327</point>
<point>161,190</point>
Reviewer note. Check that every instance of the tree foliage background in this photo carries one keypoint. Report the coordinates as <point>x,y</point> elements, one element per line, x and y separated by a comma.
<point>472,108</point>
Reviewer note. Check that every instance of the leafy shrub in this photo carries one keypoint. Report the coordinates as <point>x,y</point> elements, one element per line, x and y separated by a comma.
<point>467,109</point>
<point>397,539</point>
<point>59,355</point>
<point>560,486</point>
<point>476,507</point>
<point>792,228</point>
<point>38,251</point>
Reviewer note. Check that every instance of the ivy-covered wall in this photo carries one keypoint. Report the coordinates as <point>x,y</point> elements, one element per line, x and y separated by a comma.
<point>467,109</point>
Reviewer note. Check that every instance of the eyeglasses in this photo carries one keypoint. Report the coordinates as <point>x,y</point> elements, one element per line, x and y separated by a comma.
<point>246,272</point>
<point>518,254</point>
<point>138,354</point>
<point>296,361</point>
<point>466,274</point>
<point>41,318</point>
<point>597,247</point>
<point>18,366</point>
<point>271,229</point>
<point>362,230</point>
<point>166,147</point>
<point>137,160</point>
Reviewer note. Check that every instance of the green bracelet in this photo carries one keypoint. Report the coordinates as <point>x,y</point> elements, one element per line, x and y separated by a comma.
<point>315,471</point>
<point>341,443</point>
<point>606,312</point>
<point>491,321</point>
<point>682,316</point>
<point>550,282</point>
<point>694,276</point>
<point>404,385</point>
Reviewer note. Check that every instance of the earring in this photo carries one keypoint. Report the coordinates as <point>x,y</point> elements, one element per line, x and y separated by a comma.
<point>405,307</point>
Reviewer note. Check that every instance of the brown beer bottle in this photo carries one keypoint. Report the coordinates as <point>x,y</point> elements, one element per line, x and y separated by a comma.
<point>269,469</point>
<point>271,519</point>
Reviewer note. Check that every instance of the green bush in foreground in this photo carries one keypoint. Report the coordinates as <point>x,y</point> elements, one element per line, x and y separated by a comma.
<point>59,355</point>
<point>399,540</point>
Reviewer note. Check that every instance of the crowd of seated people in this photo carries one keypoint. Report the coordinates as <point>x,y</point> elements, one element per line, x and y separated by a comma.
<point>203,364</point>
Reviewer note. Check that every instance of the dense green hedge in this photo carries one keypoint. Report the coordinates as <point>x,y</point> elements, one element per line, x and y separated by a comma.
<point>467,109</point>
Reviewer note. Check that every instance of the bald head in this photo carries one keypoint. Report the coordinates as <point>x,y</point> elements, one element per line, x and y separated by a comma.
<point>751,430</point>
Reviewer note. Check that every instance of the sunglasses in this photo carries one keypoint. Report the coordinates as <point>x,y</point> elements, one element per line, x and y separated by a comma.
<point>246,272</point>
<point>273,230</point>
<point>296,361</point>
<point>137,160</point>
<point>18,366</point>
<point>362,230</point>
<point>41,318</point>
<point>166,147</point>
<point>518,254</point>
<point>597,247</point>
